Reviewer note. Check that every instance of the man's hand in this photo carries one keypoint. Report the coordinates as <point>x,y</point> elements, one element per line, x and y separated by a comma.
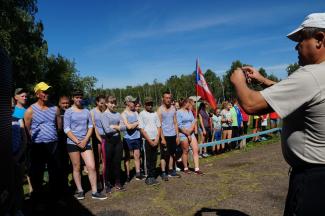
<point>252,73</point>
<point>238,77</point>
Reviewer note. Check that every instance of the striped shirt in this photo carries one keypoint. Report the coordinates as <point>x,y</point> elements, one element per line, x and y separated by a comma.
<point>185,119</point>
<point>132,133</point>
<point>78,122</point>
<point>43,124</point>
<point>112,118</point>
<point>97,116</point>
<point>167,121</point>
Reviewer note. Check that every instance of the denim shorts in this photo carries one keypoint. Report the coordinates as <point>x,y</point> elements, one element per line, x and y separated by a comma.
<point>133,144</point>
<point>182,138</point>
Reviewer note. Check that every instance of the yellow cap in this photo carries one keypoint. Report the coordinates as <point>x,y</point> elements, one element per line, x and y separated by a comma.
<point>42,86</point>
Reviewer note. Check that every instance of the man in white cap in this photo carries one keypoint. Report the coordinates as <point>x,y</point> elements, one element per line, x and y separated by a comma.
<point>300,101</point>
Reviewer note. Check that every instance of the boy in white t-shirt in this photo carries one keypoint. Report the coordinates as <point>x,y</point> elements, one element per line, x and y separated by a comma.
<point>150,128</point>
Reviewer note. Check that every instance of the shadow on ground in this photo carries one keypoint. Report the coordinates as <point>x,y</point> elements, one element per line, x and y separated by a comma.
<point>220,212</point>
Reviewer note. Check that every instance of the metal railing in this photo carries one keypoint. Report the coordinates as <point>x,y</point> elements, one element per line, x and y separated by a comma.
<point>219,142</point>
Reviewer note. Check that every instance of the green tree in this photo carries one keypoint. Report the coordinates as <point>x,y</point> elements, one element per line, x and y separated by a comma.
<point>229,90</point>
<point>292,68</point>
<point>22,37</point>
<point>214,83</point>
<point>273,77</point>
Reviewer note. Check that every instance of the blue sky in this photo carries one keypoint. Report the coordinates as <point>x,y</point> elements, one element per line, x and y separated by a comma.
<point>130,42</point>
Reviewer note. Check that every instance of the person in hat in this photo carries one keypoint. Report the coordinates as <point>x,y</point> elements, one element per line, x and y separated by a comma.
<point>149,125</point>
<point>299,101</point>
<point>78,126</point>
<point>132,137</point>
<point>20,103</point>
<point>42,120</point>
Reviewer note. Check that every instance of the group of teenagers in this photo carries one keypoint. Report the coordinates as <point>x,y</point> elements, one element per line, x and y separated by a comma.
<point>70,132</point>
<point>101,138</point>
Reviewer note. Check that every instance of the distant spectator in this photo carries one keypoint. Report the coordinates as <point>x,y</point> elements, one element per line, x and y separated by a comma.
<point>205,127</point>
<point>256,127</point>
<point>274,119</point>
<point>226,123</point>
<point>246,120</point>
<point>237,122</point>
<point>217,132</point>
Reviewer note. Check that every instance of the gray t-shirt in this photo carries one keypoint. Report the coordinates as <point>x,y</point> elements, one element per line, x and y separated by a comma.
<point>300,101</point>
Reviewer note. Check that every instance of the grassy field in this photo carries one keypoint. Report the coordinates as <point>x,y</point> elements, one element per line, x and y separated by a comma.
<point>252,181</point>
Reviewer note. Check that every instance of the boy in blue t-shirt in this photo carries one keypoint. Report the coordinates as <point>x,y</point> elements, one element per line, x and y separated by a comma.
<point>20,100</point>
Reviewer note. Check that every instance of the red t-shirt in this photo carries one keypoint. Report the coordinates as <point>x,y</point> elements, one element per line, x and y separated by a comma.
<point>244,115</point>
<point>274,115</point>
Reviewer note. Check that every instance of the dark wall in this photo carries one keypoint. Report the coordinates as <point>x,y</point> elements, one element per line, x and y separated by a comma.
<point>6,160</point>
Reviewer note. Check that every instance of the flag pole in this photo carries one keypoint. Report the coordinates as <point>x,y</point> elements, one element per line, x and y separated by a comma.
<point>197,66</point>
<point>196,103</point>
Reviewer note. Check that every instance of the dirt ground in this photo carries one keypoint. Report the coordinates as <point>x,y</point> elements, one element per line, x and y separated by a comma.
<point>245,182</point>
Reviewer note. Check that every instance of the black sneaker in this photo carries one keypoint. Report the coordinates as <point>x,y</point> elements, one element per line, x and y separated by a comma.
<point>173,173</point>
<point>98,196</point>
<point>108,189</point>
<point>128,179</point>
<point>151,181</point>
<point>80,195</point>
<point>164,176</point>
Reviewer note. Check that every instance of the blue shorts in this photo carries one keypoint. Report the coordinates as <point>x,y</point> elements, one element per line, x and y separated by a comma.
<point>217,135</point>
<point>133,144</point>
<point>183,138</point>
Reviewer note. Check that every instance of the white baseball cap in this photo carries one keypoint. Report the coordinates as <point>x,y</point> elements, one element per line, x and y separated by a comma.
<point>195,98</point>
<point>315,20</point>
